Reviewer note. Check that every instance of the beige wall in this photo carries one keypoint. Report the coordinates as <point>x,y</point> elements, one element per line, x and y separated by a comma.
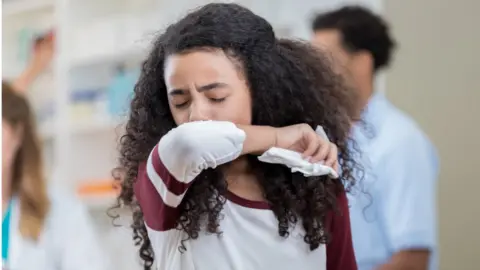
<point>436,78</point>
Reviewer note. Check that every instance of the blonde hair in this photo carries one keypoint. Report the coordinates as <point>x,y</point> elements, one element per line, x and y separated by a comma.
<point>28,181</point>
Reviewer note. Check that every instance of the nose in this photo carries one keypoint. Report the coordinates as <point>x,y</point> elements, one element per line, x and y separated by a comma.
<point>198,112</point>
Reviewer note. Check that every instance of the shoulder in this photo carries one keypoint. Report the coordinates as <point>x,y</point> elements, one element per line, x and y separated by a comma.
<point>401,148</point>
<point>398,132</point>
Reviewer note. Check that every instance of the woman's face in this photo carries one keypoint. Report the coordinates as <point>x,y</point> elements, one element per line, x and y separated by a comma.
<point>207,85</point>
<point>11,140</point>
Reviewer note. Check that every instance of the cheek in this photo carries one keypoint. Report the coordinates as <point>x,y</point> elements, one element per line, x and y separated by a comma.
<point>339,62</point>
<point>9,146</point>
<point>238,110</point>
<point>179,116</point>
<point>6,140</point>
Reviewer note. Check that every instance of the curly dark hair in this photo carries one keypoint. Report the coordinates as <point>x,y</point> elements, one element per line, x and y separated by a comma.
<point>290,83</point>
<point>361,29</point>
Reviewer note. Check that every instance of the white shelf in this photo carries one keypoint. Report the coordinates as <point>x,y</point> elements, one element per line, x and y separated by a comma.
<point>20,7</point>
<point>47,129</point>
<point>92,127</point>
<point>110,57</point>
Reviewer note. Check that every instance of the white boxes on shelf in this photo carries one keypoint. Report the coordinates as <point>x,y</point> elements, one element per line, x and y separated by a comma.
<point>93,40</point>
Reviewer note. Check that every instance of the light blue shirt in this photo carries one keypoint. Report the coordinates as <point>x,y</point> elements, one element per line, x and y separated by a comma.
<point>393,207</point>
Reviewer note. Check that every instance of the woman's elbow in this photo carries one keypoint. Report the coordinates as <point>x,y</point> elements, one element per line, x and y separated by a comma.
<point>199,145</point>
<point>179,151</point>
<point>181,142</point>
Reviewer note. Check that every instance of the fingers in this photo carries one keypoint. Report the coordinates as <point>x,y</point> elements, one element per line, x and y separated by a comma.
<point>327,154</point>
<point>313,145</point>
<point>336,167</point>
<point>332,156</point>
<point>323,150</point>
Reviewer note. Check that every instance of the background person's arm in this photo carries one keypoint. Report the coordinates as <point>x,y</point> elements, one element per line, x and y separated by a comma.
<point>408,260</point>
<point>23,82</point>
<point>41,57</point>
<point>408,190</point>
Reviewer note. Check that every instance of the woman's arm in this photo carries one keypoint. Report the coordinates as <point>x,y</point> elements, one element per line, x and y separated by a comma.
<point>42,57</point>
<point>258,139</point>
<point>182,154</point>
<point>26,78</point>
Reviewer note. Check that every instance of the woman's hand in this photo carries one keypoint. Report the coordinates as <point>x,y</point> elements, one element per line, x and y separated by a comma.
<point>43,52</point>
<point>303,139</point>
<point>300,138</point>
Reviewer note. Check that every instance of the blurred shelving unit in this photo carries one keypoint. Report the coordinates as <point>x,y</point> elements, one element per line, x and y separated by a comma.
<point>93,39</point>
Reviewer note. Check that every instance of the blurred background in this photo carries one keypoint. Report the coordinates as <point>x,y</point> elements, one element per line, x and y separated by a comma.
<point>80,101</point>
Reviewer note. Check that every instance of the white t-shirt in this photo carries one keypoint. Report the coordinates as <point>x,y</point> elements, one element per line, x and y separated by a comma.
<point>249,238</point>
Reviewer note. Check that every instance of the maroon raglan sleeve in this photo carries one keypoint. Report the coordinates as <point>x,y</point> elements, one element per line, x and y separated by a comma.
<point>173,164</point>
<point>340,254</point>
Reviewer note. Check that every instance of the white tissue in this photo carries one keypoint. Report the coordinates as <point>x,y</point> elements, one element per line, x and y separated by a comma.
<point>320,131</point>
<point>295,162</point>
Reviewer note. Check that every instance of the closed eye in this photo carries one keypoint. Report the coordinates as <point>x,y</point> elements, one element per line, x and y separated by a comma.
<point>181,105</point>
<point>217,99</point>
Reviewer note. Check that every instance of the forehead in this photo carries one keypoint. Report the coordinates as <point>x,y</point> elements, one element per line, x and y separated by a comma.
<point>329,39</point>
<point>198,66</point>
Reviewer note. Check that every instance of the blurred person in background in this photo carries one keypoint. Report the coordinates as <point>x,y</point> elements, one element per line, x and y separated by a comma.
<point>401,164</point>
<point>43,228</point>
<point>217,90</point>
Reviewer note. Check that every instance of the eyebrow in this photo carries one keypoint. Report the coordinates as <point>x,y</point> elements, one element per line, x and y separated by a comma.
<point>202,88</point>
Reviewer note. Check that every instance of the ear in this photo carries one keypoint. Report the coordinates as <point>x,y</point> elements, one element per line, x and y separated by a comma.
<point>363,60</point>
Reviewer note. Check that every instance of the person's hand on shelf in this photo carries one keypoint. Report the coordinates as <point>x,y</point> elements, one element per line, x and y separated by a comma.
<point>42,55</point>
<point>43,51</point>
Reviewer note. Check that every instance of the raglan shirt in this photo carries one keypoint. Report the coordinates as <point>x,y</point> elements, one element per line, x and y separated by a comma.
<point>249,238</point>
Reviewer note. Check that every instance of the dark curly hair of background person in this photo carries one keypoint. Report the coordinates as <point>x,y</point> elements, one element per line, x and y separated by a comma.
<point>290,83</point>
<point>361,29</point>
